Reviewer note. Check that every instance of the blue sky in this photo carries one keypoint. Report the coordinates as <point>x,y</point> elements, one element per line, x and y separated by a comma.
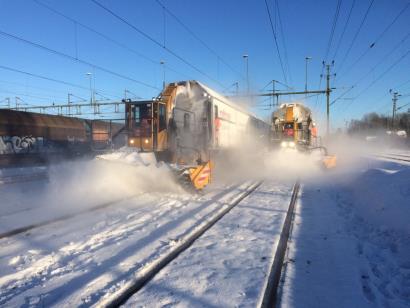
<point>230,28</point>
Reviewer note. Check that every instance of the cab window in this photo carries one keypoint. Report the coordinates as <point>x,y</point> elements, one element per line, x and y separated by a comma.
<point>288,126</point>
<point>142,113</point>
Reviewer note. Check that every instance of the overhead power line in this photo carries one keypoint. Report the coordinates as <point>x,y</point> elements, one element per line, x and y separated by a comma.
<point>31,95</point>
<point>64,55</point>
<point>378,78</point>
<point>384,73</point>
<point>332,32</point>
<point>188,29</point>
<point>25,85</point>
<point>276,42</point>
<point>356,34</point>
<point>344,30</point>
<point>371,46</point>
<point>383,59</point>
<point>329,44</point>
<point>282,36</point>
<point>156,42</point>
<point>47,78</point>
<point>106,37</point>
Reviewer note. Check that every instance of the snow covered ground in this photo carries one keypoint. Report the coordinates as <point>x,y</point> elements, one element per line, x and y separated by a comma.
<point>228,265</point>
<point>78,261</point>
<point>349,248</point>
<point>351,240</point>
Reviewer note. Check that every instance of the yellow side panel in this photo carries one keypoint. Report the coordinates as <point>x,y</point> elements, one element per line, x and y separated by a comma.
<point>289,114</point>
<point>201,175</point>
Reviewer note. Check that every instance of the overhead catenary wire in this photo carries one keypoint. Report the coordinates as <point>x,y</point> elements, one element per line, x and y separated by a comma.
<point>379,77</point>
<point>344,30</point>
<point>341,96</point>
<point>379,37</point>
<point>329,44</point>
<point>276,42</point>
<point>67,56</point>
<point>31,95</point>
<point>32,87</point>
<point>332,31</point>
<point>282,36</point>
<point>380,98</point>
<point>356,34</point>
<point>194,35</point>
<point>156,42</point>
<point>67,83</point>
<point>383,59</point>
<point>108,38</point>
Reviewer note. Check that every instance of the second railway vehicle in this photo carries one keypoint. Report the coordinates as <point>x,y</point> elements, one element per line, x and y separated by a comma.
<point>293,127</point>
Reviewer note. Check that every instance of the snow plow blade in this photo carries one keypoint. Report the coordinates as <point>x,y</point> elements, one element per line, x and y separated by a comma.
<point>191,178</point>
<point>323,158</point>
<point>200,176</point>
<point>329,161</point>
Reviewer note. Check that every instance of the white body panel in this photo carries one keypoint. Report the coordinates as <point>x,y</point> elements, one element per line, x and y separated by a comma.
<point>203,108</point>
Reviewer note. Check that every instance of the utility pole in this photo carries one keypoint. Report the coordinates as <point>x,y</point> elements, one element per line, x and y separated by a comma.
<point>328,91</point>
<point>394,100</point>
<point>162,62</point>
<point>327,98</point>
<point>273,91</point>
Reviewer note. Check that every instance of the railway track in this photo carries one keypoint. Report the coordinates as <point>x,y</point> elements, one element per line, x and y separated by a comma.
<point>270,296</point>
<point>21,178</point>
<point>23,160</point>
<point>146,269</point>
<point>148,272</point>
<point>24,229</point>
<point>400,158</point>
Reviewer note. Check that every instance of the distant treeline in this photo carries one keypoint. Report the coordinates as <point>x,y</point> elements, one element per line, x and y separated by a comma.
<point>377,122</point>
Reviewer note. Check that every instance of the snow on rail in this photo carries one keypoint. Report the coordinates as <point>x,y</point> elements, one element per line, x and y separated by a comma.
<point>145,274</point>
<point>92,256</point>
<point>228,265</point>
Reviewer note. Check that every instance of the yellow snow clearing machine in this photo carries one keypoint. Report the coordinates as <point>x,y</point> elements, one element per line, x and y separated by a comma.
<point>155,127</point>
<point>293,128</point>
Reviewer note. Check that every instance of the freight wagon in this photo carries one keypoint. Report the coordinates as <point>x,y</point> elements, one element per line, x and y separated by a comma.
<point>23,132</point>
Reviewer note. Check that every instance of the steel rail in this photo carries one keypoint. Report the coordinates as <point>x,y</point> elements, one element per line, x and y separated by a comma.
<point>145,275</point>
<point>393,158</point>
<point>20,178</point>
<point>270,296</point>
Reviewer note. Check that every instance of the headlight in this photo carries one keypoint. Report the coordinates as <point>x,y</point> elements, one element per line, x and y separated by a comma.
<point>132,141</point>
<point>146,141</point>
<point>284,144</point>
<point>292,144</point>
